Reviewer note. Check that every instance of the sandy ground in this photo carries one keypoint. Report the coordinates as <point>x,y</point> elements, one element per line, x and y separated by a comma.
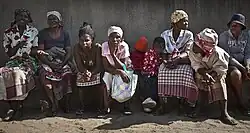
<point>35,122</point>
<point>114,123</point>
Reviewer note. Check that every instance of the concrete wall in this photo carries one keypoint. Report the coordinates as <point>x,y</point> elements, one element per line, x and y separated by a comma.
<point>137,17</point>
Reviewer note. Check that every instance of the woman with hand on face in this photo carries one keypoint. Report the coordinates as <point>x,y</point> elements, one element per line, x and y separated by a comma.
<point>20,42</point>
<point>55,56</point>
<point>115,56</point>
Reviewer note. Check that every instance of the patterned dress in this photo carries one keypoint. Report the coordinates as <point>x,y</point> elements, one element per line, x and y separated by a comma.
<point>87,61</point>
<point>17,77</point>
<point>178,82</point>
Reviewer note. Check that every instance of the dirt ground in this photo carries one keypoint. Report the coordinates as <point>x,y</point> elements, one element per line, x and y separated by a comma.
<point>115,123</point>
<point>35,122</point>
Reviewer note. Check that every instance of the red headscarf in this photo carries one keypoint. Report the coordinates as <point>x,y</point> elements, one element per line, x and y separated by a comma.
<point>142,44</point>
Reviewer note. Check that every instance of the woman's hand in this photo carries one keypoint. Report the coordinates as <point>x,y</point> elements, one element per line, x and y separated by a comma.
<point>113,50</point>
<point>25,55</point>
<point>247,73</point>
<point>170,64</point>
<point>41,52</point>
<point>209,79</point>
<point>124,76</point>
<point>55,66</point>
<point>21,44</point>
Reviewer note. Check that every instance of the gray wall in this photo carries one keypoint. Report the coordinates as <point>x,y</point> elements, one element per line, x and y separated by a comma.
<point>137,17</point>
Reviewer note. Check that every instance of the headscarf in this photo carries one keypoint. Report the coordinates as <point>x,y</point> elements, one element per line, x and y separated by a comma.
<point>177,15</point>
<point>56,13</point>
<point>142,44</point>
<point>207,40</point>
<point>116,29</point>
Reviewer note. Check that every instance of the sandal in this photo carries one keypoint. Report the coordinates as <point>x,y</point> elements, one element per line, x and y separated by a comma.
<point>9,115</point>
<point>127,111</point>
<point>80,112</point>
<point>228,121</point>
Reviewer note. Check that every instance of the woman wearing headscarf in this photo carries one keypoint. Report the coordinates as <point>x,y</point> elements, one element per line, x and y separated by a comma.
<point>55,56</point>
<point>20,42</point>
<point>175,78</point>
<point>236,42</point>
<point>115,56</point>
<point>210,63</point>
<point>87,55</point>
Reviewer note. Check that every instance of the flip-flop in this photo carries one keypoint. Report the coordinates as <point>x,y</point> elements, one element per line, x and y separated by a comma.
<point>9,115</point>
<point>80,112</point>
<point>230,121</point>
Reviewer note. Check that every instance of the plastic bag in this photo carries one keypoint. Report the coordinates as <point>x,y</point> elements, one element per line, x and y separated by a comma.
<point>122,91</point>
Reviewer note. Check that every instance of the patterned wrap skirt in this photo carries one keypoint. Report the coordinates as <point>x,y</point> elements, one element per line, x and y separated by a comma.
<point>178,82</point>
<point>17,78</point>
<point>217,91</point>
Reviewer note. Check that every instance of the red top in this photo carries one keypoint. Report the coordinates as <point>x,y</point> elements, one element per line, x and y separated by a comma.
<point>137,59</point>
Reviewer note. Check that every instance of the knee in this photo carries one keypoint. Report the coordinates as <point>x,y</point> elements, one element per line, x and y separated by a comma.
<point>235,75</point>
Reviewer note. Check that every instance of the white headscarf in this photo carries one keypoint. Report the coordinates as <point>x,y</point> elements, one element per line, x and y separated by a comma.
<point>116,29</point>
<point>56,13</point>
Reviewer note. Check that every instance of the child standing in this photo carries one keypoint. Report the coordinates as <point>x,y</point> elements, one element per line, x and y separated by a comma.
<point>211,64</point>
<point>151,63</point>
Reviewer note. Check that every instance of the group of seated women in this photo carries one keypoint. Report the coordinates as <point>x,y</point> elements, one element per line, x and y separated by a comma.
<point>178,64</point>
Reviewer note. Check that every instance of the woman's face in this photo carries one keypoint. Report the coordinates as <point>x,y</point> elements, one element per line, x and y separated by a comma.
<point>22,18</point>
<point>182,24</point>
<point>235,28</point>
<point>85,41</point>
<point>115,39</point>
<point>53,21</point>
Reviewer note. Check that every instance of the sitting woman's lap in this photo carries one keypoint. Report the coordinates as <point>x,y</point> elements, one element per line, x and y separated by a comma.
<point>60,88</point>
<point>178,82</point>
<point>17,81</point>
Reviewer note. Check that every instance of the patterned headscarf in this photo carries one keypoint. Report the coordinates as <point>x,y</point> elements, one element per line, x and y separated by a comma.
<point>142,44</point>
<point>177,15</point>
<point>117,29</point>
<point>207,40</point>
<point>56,13</point>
